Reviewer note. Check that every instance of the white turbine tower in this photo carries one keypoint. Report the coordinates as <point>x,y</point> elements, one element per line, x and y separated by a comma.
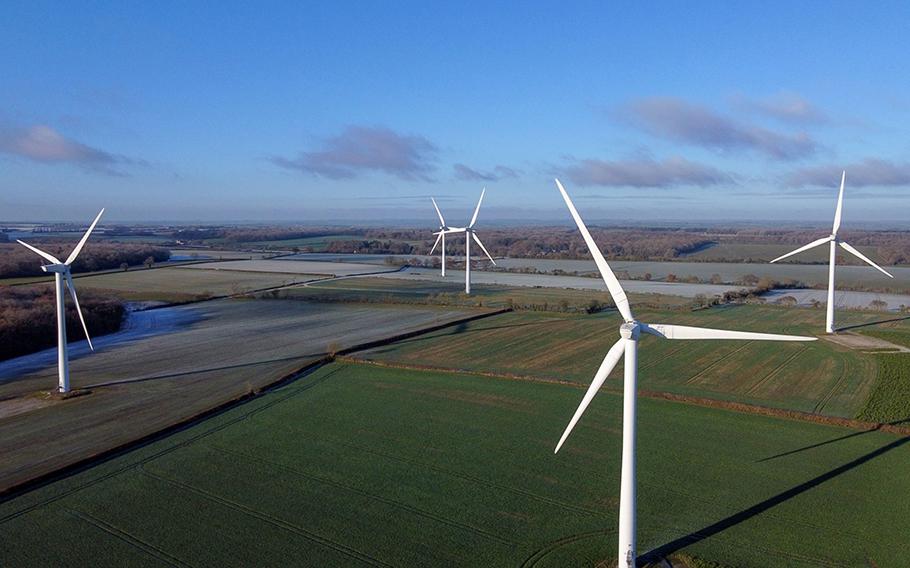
<point>834,240</point>
<point>629,332</point>
<point>61,271</point>
<point>469,234</point>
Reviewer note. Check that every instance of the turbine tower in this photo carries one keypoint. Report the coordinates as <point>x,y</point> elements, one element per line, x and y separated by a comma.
<point>834,240</point>
<point>61,271</point>
<point>627,345</point>
<point>469,235</point>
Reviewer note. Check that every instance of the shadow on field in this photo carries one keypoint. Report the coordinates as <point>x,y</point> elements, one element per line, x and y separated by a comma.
<point>871,323</point>
<point>460,329</point>
<point>661,552</point>
<point>834,440</point>
<point>198,371</point>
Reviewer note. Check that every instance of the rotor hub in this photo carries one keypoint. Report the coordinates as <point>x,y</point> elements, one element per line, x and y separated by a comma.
<point>630,330</point>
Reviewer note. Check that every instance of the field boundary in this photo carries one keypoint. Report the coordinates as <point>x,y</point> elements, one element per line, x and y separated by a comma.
<point>658,395</point>
<point>83,464</point>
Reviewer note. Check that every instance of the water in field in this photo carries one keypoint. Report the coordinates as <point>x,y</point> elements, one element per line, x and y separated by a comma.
<point>138,325</point>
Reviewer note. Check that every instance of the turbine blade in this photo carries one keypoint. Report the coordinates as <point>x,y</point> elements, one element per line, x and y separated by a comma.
<point>477,209</point>
<point>863,257</point>
<point>840,204</point>
<point>686,332</point>
<point>813,244</point>
<point>477,239</point>
<point>81,244</point>
<point>438,238</point>
<point>45,255</point>
<point>69,284</point>
<point>616,291</point>
<point>603,372</point>
<point>438,212</point>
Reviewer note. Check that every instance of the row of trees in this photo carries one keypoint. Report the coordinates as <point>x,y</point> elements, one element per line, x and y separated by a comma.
<point>28,320</point>
<point>17,261</point>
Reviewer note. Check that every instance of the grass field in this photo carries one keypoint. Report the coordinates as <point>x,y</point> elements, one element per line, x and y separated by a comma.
<point>230,348</point>
<point>355,465</point>
<point>818,377</point>
<point>318,244</point>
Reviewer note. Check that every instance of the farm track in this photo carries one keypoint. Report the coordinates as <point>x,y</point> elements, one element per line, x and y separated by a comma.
<point>835,388</point>
<point>129,539</point>
<point>761,382</point>
<point>352,489</point>
<point>267,518</point>
<point>659,395</point>
<point>716,362</point>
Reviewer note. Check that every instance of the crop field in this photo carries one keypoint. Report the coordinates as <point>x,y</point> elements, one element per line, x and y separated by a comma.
<point>818,377</point>
<point>355,465</point>
<point>183,283</point>
<point>451,292</point>
<point>293,267</point>
<point>226,348</point>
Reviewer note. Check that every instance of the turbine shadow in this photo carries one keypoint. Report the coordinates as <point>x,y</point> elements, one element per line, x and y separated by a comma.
<point>834,440</point>
<point>871,323</point>
<point>461,329</point>
<point>197,371</point>
<point>663,551</point>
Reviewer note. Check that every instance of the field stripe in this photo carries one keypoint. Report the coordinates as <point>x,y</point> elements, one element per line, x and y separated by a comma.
<point>337,484</point>
<point>133,541</point>
<point>754,388</point>
<point>716,362</point>
<point>274,521</point>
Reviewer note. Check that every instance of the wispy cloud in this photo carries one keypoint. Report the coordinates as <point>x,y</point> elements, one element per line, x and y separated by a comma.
<point>644,172</point>
<point>680,121</point>
<point>869,172</point>
<point>362,149</point>
<point>43,144</point>
<point>465,173</point>
<point>785,107</point>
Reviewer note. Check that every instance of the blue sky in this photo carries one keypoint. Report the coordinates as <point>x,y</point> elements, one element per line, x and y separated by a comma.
<point>338,112</point>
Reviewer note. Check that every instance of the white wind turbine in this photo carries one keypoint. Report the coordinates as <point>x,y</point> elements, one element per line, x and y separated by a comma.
<point>441,235</point>
<point>834,240</point>
<point>469,234</point>
<point>629,332</point>
<point>61,271</point>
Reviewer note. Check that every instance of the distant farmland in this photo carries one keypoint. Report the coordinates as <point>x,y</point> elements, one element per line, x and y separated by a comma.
<point>356,466</point>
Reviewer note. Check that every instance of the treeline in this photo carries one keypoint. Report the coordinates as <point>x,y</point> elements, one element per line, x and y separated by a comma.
<point>17,261</point>
<point>28,320</point>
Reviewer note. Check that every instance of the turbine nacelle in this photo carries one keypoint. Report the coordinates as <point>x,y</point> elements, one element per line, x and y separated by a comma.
<point>57,268</point>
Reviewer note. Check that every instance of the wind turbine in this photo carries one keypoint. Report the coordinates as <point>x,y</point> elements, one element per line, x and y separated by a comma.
<point>61,271</point>
<point>834,240</point>
<point>441,235</point>
<point>469,234</point>
<point>627,344</point>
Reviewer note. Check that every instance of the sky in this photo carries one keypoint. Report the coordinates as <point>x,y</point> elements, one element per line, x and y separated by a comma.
<point>336,112</point>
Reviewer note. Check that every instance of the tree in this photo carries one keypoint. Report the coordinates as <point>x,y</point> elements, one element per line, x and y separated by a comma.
<point>787,301</point>
<point>647,275</point>
<point>124,266</point>
<point>878,305</point>
<point>671,277</point>
<point>716,279</point>
<point>148,262</point>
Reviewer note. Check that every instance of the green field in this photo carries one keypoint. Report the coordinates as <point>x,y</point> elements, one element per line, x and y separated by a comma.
<point>318,244</point>
<point>355,465</point>
<point>818,377</point>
